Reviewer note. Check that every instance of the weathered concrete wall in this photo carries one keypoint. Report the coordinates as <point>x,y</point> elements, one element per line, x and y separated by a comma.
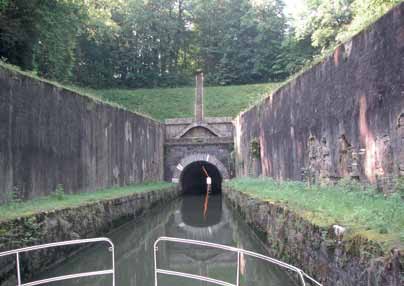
<point>343,117</point>
<point>291,238</point>
<point>51,136</point>
<point>91,220</point>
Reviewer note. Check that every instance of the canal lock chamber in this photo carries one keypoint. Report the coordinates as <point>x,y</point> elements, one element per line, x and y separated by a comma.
<point>197,214</point>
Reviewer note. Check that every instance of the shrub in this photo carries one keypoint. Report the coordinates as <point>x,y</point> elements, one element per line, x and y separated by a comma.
<point>59,193</point>
<point>399,187</point>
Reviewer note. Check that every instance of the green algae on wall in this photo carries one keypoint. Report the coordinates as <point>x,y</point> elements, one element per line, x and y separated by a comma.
<point>342,118</point>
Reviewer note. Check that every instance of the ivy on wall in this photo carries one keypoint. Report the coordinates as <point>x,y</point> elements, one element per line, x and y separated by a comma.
<point>255,148</point>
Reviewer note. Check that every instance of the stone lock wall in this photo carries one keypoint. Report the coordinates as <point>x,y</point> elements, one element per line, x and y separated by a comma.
<point>50,136</point>
<point>86,221</point>
<point>342,118</point>
<point>287,236</point>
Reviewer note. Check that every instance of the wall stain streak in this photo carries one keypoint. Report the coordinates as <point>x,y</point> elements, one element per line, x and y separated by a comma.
<point>341,118</point>
<point>51,136</point>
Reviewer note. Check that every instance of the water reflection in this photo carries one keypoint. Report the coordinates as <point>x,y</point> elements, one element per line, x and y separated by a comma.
<point>201,211</point>
<point>184,218</point>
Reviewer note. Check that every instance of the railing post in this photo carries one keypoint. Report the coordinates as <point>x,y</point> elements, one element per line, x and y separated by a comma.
<point>18,269</point>
<point>155,264</point>
<point>238,268</point>
<point>112,249</point>
<point>302,278</point>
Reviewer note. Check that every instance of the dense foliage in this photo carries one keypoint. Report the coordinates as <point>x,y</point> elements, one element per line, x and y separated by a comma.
<point>148,43</point>
<point>330,22</point>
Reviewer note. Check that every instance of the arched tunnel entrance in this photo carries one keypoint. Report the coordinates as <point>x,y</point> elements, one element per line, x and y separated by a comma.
<point>193,178</point>
<point>199,208</point>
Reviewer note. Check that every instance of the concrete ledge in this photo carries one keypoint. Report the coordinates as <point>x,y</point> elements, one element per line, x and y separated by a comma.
<point>87,221</point>
<point>180,121</point>
<point>203,125</point>
<point>197,141</point>
<point>291,238</point>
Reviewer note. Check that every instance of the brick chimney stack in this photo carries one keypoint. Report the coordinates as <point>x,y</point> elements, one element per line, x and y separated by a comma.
<point>199,96</point>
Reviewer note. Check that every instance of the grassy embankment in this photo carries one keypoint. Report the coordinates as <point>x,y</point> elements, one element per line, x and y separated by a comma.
<point>163,103</point>
<point>361,211</point>
<point>59,200</point>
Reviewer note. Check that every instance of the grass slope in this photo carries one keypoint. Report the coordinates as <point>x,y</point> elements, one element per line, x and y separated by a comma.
<point>362,211</point>
<point>163,103</point>
<point>60,200</point>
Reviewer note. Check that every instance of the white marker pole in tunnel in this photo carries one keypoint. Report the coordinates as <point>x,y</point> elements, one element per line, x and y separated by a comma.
<point>208,179</point>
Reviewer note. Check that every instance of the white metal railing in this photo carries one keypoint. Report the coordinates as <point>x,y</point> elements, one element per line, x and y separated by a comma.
<point>302,276</point>
<point>17,252</point>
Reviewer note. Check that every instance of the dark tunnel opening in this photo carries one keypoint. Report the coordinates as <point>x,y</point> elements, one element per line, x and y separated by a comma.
<point>193,178</point>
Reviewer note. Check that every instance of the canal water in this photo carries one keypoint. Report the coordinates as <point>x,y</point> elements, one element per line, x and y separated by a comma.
<point>191,217</point>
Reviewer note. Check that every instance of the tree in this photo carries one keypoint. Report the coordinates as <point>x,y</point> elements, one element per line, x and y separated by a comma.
<point>239,41</point>
<point>330,22</point>
<point>18,33</point>
<point>269,41</point>
<point>208,20</point>
<point>364,13</point>
<point>97,46</point>
<point>147,43</point>
<point>322,20</point>
<point>59,23</point>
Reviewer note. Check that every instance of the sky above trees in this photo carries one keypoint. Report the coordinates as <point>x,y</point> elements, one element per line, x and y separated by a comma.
<point>293,6</point>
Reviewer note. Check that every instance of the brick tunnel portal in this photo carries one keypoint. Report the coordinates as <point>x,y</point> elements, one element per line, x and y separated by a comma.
<point>193,178</point>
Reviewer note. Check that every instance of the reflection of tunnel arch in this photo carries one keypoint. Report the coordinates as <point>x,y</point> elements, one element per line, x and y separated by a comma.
<point>183,227</point>
<point>192,161</point>
<point>193,212</point>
